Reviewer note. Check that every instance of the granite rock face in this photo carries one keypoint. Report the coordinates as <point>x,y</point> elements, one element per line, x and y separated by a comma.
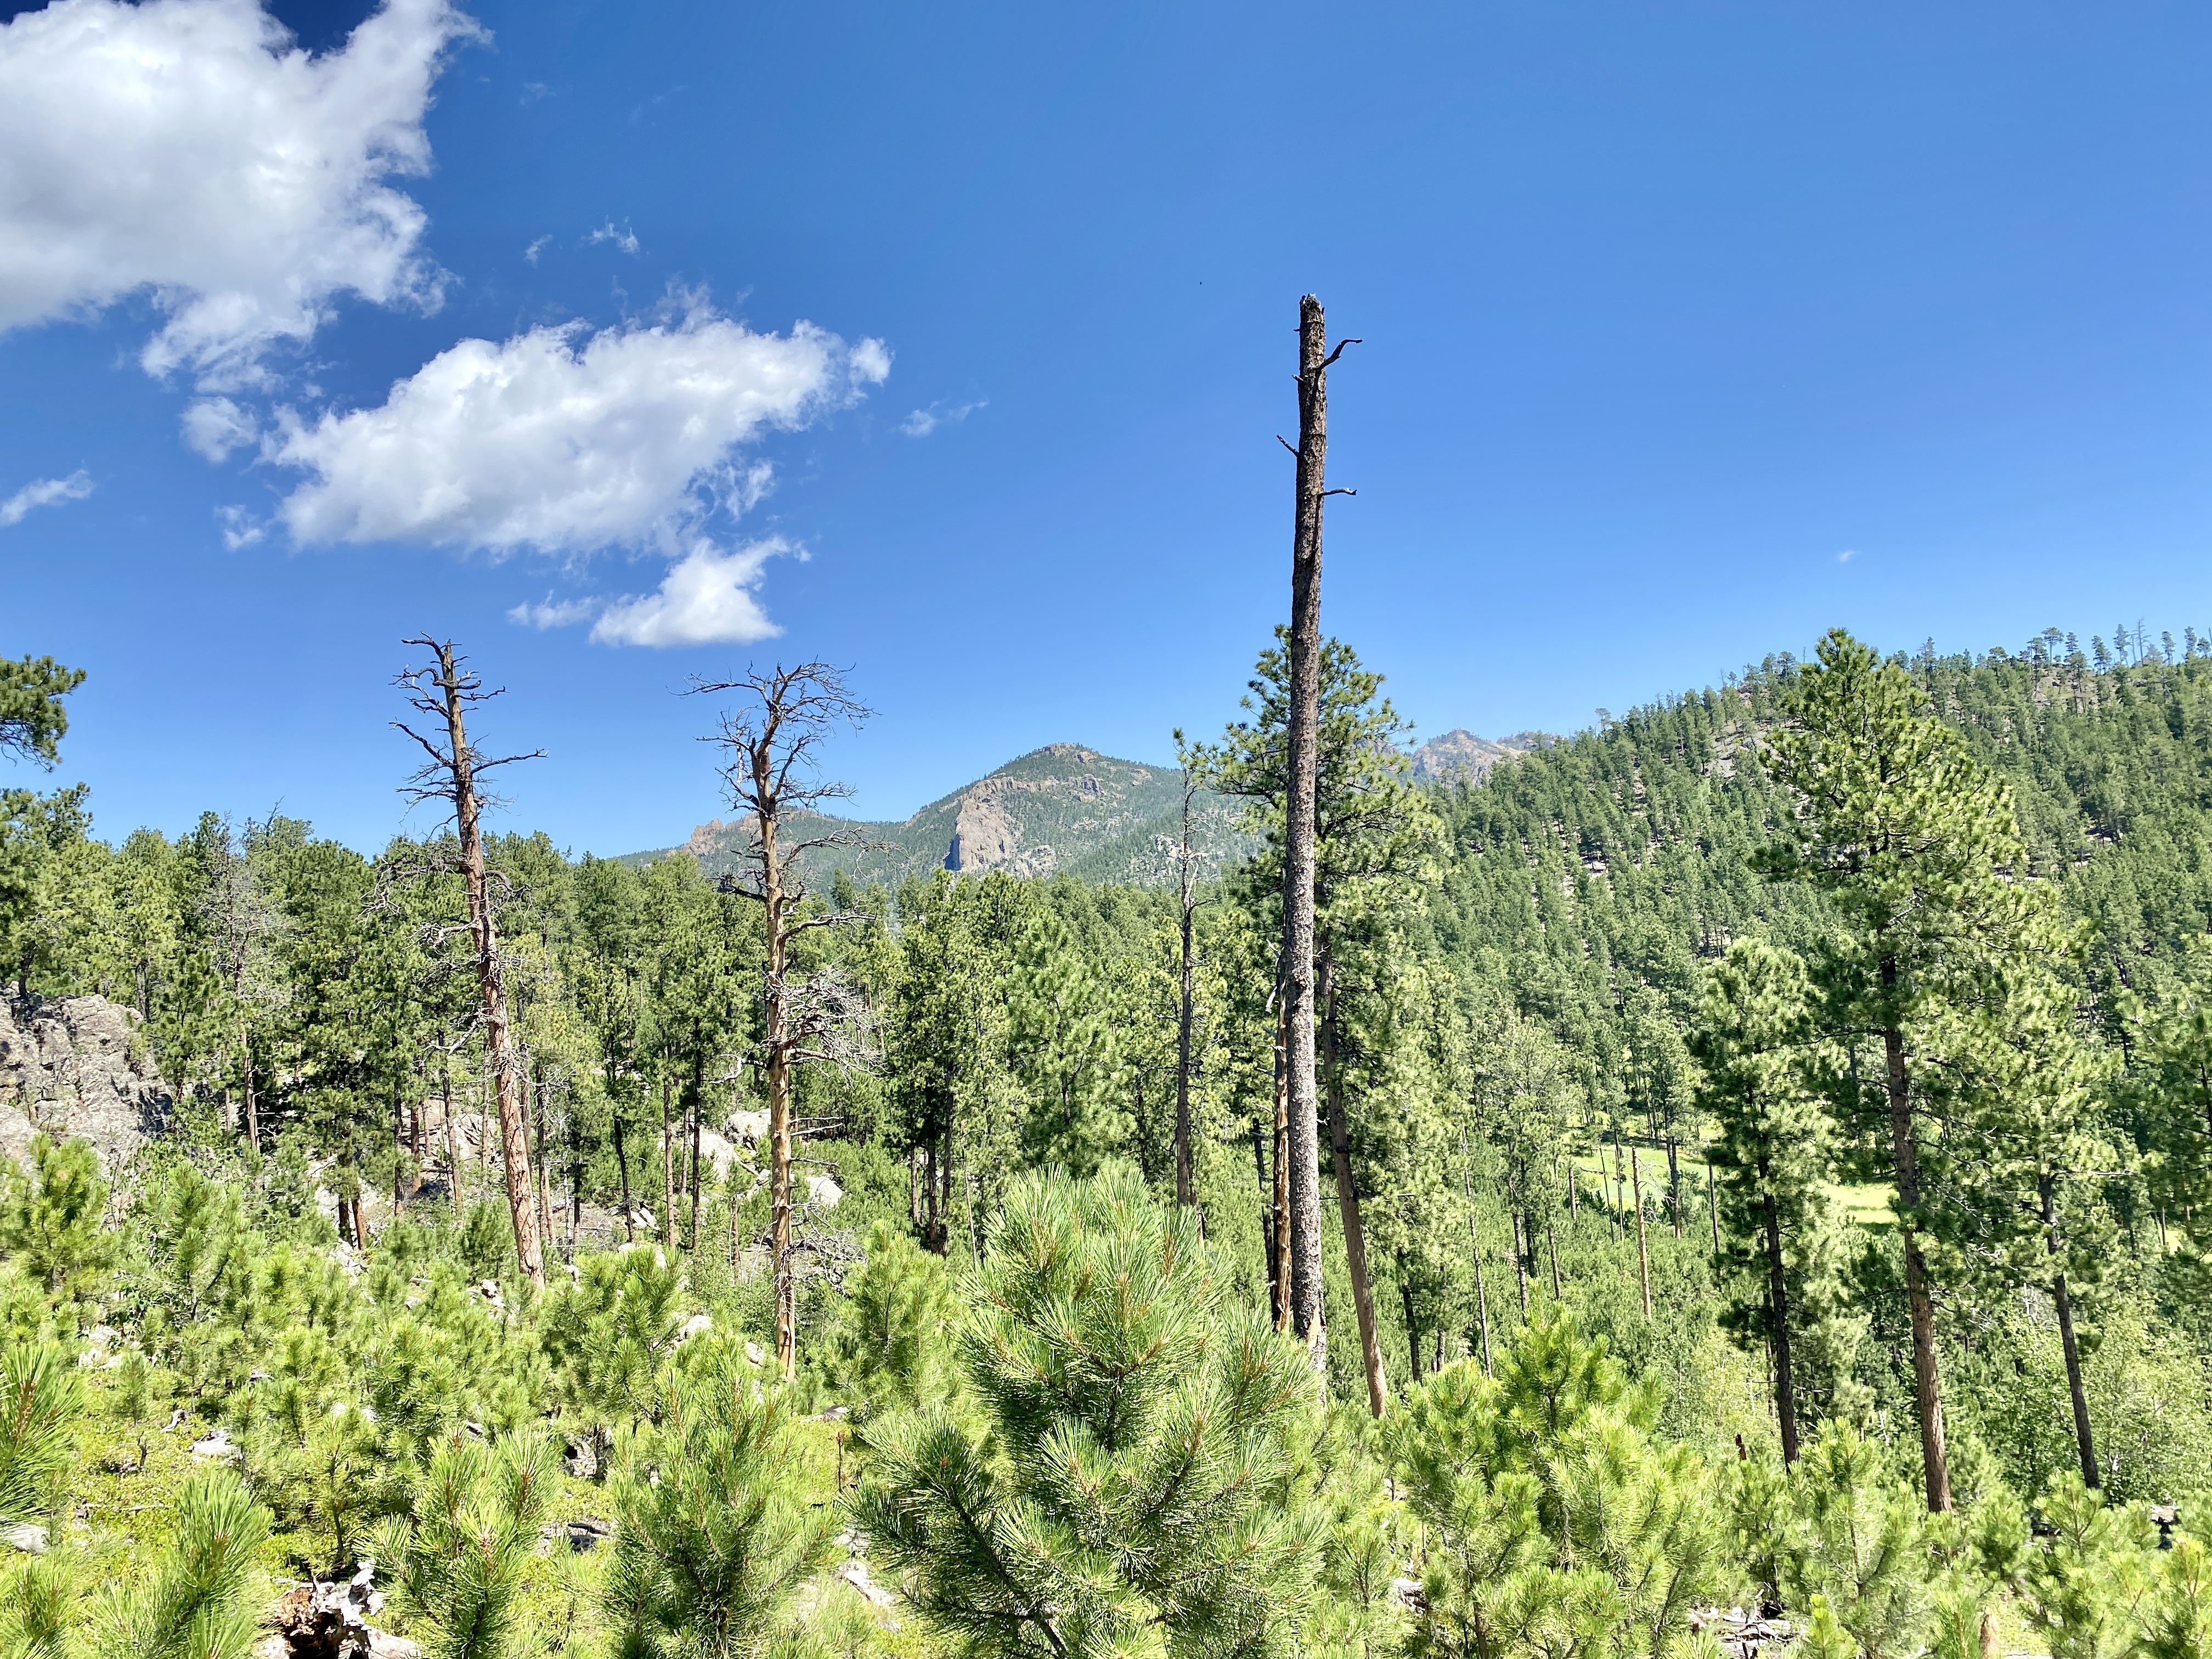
<point>66,1066</point>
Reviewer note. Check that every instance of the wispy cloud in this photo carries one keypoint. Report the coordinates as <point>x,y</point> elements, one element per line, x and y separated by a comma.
<point>215,426</point>
<point>923,422</point>
<point>625,238</point>
<point>529,254</point>
<point>45,492</point>
<point>1847,556</point>
<point>240,527</point>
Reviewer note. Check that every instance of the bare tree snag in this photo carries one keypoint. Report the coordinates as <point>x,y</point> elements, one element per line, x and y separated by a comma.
<point>1642,1245</point>
<point>1303,1086</point>
<point>446,693</point>
<point>770,775</point>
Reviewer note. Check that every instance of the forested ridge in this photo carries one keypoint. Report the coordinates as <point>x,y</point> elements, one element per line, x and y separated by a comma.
<point>1767,1147</point>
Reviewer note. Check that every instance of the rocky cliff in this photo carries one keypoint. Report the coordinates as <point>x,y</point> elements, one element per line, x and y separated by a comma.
<point>1460,755</point>
<point>68,1066</point>
<point>1061,808</point>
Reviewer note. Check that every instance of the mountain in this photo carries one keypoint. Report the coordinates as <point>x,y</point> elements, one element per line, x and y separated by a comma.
<point>1460,754</point>
<point>1061,810</point>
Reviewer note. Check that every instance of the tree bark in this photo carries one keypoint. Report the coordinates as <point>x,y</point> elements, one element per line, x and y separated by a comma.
<point>1905,1153</point>
<point>1778,1308</point>
<point>779,1046</point>
<point>1268,1224</point>
<point>1413,1330</point>
<point>1520,1260</point>
<point>622,1162</point>
<point>1298,836</point>
<point>2084,1441</point>
<point>1348,1206</point>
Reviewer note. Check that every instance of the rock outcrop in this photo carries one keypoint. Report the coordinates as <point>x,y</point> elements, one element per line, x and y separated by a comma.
<point>68,1066</point>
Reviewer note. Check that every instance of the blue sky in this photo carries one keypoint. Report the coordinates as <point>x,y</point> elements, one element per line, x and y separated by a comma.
<point>1667,308</point>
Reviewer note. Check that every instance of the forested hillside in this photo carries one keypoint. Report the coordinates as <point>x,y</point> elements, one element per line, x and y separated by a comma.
<point>1768,1137</point>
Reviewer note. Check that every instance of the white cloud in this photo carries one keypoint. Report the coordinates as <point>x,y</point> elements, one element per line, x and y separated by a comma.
<point>1847,556</point>
<point>240,527</point>
<point>706,599</point>
<point>215,426</point>
<point>564,443</point>
<point>529,254</point>
<point>185,149</point>
<point>45,492</point>
<point>872,363</point>
<point>625,238</point>
<point>923,422</point>
<point>555,613</point>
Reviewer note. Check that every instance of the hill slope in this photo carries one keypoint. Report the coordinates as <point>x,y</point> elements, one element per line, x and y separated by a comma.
<point>1061,810</point>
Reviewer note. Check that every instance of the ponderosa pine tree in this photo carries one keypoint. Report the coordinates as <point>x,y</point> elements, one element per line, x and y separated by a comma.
<point>36,830</point>
<point>1142,1481</point>
<point>1755,1044</point>
<point>712,1543</point>
<point>1918,847</point>
<point>1377,844</point>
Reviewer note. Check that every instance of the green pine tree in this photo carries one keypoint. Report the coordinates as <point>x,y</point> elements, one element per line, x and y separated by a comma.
<point>1140,1487</point>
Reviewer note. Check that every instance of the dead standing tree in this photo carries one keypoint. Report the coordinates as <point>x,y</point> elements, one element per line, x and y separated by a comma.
<point>770,775</point>
<point>1303,1082</point>
<point>446,693</point>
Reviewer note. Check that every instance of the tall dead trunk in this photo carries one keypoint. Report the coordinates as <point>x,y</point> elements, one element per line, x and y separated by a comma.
<point>1347,1204</point>
<point>776,997</point>
<point>1520,1256</point>
<point>1673,1184</point>
<point>2084,1441</point>
<point>622,1162</point>
<point>698,1087</point>
<point>1920,1306</point>
<point>1299,860</point>
<point>1413,1332</point>
<point>452,775</point>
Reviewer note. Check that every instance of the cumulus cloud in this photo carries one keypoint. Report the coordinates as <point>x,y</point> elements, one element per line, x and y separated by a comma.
<point>45,492</point>
<point>565,442</point>
<point>708,597</point>
<point>923,422</point>
<point>186,149</point>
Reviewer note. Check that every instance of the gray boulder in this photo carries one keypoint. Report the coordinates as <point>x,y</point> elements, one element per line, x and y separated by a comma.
<point>67,1068</point>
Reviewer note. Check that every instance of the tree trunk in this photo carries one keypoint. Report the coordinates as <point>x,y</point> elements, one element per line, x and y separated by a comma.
<point>545,1194</point>
<point>1643,1247</point>
<point>499,1046</point>
<point>1474,1244</point>
<point>1268,1224</point>
<point>1674,1186</point>
<point>2084,1441</point>
<point>1778,1308</point>
<point>1281,1216</point>
<point>622,1162</point>
<point>779,1047</point>
<point>1520,1260</point>
<point>452,1143</point>
<point>1552,1240</point>
<point>1413,1329</point>
<point>1186,1168</point>
<point>253,1105</point>
<point>667,1175</point>
<point>1348,1206</point>
<point>1905,1151</point>
<point>698,1087</point>
<point>1298,837</point>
